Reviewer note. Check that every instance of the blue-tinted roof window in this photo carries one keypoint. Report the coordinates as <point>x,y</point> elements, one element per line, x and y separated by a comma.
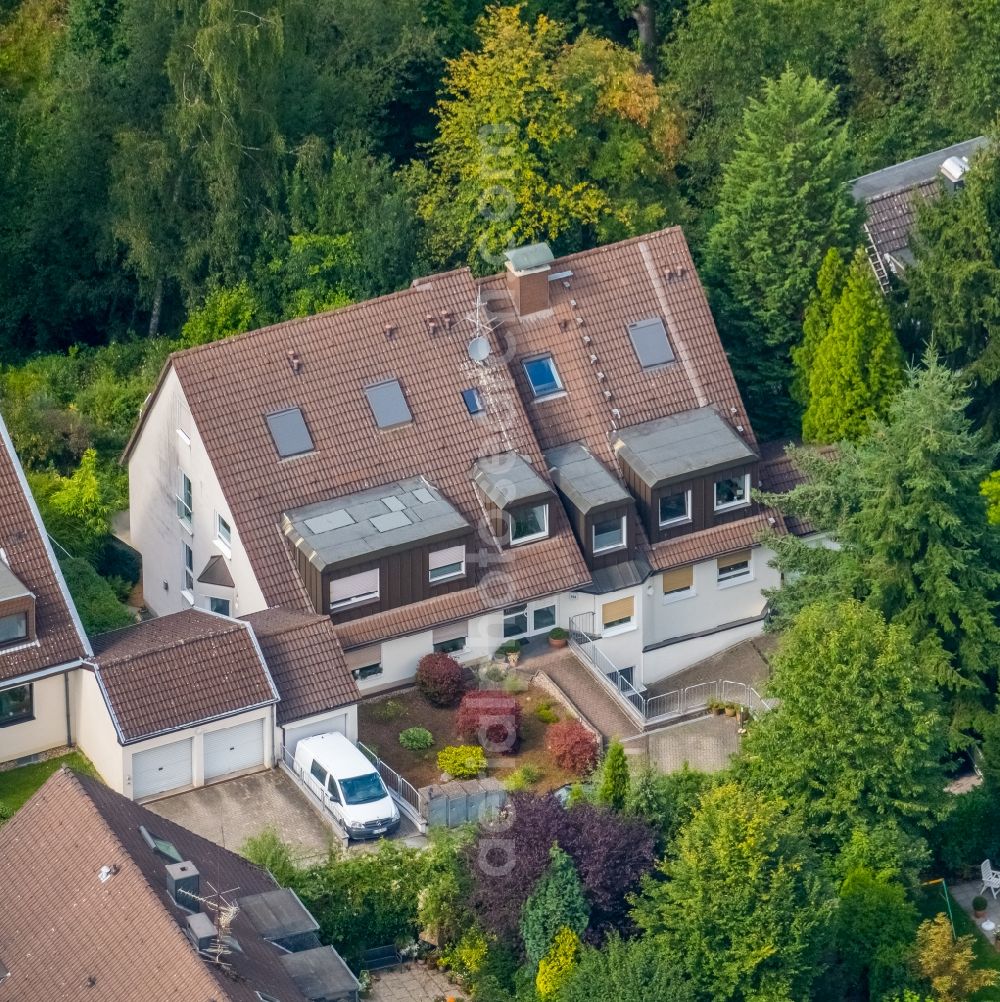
<point>473,401</point>
<point>543,376</point>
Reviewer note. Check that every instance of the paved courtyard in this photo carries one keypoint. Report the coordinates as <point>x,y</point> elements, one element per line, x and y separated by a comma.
<point>413,984</point>
<point>229,813</point>
<point>706,744</point>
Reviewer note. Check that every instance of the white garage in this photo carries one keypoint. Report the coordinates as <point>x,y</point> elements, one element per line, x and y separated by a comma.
<point>166,767</point>
<point>343,722</point>
<point>233,749</point>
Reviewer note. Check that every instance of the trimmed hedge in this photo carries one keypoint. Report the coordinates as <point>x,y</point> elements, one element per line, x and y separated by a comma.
<point>441,679</point>
<point>462,761</point>
<point>492,718</point>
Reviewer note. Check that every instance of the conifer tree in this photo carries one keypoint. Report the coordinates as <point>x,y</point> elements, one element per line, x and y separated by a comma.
<point>857,367</point>
<point>556,902</point>
<point>829,285</point>
<point>614,786</point>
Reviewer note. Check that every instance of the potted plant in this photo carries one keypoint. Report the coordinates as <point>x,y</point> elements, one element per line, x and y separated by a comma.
<point>979,906</point>
<point>715,706</point>
<point>730,709</point>
<point>558,637</point>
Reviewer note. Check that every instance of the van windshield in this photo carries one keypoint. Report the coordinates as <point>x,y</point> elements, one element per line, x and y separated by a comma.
<point>363,789</point>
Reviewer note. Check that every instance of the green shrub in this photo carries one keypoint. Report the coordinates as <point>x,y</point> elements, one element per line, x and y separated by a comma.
<point>514,684</point>
<point>267,849</point>
<point>507,647</point>
<point>522,777</point>
<point>462,761</point>
<point>6,812</point>
<point>94,598</point>
<point>968,834</point>
<point>545,713</point>
<point>388,710</point>
<point>416,738</point>
<point>494,673</point>
<point>558,633</point>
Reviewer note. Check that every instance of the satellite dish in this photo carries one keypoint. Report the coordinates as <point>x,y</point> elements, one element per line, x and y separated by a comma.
<point>479,349</point>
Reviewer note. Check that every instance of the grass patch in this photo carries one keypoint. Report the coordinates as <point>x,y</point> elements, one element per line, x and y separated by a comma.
<point>17,785</point>
<point>930,903</point>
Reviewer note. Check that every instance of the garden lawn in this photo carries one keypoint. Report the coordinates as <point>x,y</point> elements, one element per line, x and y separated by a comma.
<point>17,785</point>
<point>379,724</point>
<point>930,903</point>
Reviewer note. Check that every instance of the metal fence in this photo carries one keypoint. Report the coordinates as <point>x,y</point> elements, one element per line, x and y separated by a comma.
<point>401,790</point>
<point>288,763</point>
<point>460,803</point>
<point>667,705</point>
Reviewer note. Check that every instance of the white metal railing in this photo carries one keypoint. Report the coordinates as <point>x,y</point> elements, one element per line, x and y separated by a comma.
<point>401,790</point>
<point>667,705</point>
<point>288,763</point>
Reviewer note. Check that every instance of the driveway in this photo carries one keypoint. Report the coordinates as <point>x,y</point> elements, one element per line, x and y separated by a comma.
<point>228,813</point>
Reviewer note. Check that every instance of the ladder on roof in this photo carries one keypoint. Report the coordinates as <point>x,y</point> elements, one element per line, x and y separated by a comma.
<point>878,265</point>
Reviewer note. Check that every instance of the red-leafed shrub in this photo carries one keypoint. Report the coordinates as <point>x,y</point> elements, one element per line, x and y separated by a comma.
<point>441,679</point>
<point>491,718</point>
<point>572,746</point>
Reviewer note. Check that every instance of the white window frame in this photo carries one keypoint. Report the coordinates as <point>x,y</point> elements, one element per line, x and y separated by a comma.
<point>559,385</point>
<point>223,540</point>
<point>624,626</point>
<point>543,534</point>
<point>216,598</point>
<point>680,519</point>
<point>681,594</point>
<point>521,610</point>
<point>734,577</point>
<point>615,546</point>
<point>535,610</point>
<point>187,564</point>
<point>360,597</point>
<point>457,567</point>
<point>731,504</point>
<point>183,505</point>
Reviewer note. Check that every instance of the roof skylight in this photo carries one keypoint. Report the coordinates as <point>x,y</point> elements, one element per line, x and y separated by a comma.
<point>473,401</point>
<point>289,432</point>
<point>389,407</point>
<point>649,339</point>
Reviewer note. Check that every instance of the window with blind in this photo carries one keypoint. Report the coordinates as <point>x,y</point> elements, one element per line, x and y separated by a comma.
<point>617,615</point>
<point>443,565</point>
<point>365,663</point>
<point>450,639</point>
<point>678,583</point>
<point>734,566</point>
<point>355,589</point>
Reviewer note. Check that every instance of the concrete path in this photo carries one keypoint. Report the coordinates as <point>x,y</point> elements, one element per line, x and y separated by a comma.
<point>229,813</point>
<point>586,693</point>
<point>744,662</point>
<point>706,744</point>
<point>413,984</point>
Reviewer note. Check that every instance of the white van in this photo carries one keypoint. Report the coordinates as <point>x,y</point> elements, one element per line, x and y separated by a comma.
<point>336,771</point>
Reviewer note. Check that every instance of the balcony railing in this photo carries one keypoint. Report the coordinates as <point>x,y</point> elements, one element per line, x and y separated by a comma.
<point>665,706</point>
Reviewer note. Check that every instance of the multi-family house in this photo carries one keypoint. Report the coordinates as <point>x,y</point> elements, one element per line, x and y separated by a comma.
<point>465,462</point>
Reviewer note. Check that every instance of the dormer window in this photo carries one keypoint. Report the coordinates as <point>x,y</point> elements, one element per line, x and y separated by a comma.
<point>529,523</point>
<point>732,492</point>
<point>13,628</point>
<point>609,534</point>
<point>675,508</point>
<point>443,565</point>
<point>543,376</point>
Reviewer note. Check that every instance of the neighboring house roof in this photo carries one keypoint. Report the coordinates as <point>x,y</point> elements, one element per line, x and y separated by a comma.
<point>893,195</point>
<point>306,662</point>
<point>180,670</point>
<point>717,541</point>
<point>418,337</point>
<point>66,934</point>
<point>30,562</point>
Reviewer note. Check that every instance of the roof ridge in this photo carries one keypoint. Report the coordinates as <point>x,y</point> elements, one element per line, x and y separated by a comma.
<point>176,642</point>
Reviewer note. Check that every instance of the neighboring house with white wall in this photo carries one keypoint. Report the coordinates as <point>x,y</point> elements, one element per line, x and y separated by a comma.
<point>469,461</point>
<point>42,643</point>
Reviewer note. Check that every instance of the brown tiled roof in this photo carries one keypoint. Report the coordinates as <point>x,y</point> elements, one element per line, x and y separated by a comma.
<point>178,670</point>
<point>714,542</point>
<point>60,636</point>
<point>613,286</point>
<point>306,662</point>
<point>231,385</point>
<point>65,935</point>
<point>890,217</point>
<point>779,474</point>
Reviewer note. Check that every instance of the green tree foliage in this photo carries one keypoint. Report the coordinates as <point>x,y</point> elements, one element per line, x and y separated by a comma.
<point>782,203</point>
<point>95,599</point>
<point>864,686</point>
<point>267,849</point>
<point>905,508</point>
<point>613,787</point>
<point>626,969</point>
<point>224,312</point>
<point>857,367</point>
<point>557,902</point>
<point>555,968</point>
<point>816,322</point>
<point>947,964</point>
<point>874,929</point>
<point>990,489</point>
<point>667,800</point>
<point>742,905</point>
<point>955,284</point>
<point>542,139</point>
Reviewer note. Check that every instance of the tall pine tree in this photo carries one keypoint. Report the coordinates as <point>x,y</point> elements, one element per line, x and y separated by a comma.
<point>857,367</point>
<point>557,902</point>
<point>816,323</point>
<point>783,202</point>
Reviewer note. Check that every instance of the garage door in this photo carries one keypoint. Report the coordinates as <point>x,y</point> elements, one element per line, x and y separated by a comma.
<point>233,749</point>
<point>160,769</point>
<point>325,725</point>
